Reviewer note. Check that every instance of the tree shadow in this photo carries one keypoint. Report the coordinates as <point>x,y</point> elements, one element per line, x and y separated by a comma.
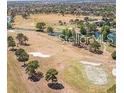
<point>41,30</point>
<point>36,77</point>
<point>56,86</point>
<point>26,44</point>
<point>24,65</point>
<point>97,52</point>
<point>13,49</point>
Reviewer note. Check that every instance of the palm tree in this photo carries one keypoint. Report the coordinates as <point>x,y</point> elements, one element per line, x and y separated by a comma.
<point>31,67</point>
<point>51,75</point>
<point>11,42</point>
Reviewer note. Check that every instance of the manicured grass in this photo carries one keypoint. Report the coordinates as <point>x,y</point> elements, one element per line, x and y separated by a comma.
<point>61,27</point>
<point>75,76</point>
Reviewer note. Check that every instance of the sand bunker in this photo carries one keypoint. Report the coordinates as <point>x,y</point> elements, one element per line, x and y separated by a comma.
<point>95,73</point>
<point>11,31</point>
<point>39,54</point>
<point>114,71</point>
<point>90,63</point>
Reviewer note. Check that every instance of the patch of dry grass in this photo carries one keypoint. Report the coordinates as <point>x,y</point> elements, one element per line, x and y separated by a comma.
<point>64,58</point>
<point>49,19</point>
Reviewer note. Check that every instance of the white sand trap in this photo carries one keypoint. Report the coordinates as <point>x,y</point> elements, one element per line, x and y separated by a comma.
<point>90,63</point>
<point>96,75</point>
<point>95,72</point>
<point>39,54</point>
<point>11,31</point>
<point>114,71</point>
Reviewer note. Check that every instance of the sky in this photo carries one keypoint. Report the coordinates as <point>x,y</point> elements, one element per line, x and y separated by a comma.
<point>23,0</point>
<point>69,0</point>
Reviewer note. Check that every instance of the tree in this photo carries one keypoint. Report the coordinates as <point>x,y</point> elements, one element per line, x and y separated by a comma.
<point>68,34</point>
<point>113,24</point>
<point>25,15</point>
<point>25,38</point>
<point>51,75</point>
<point>105,31</point>
<point>76,21</point>
<point>60,22</point>
<point>86,18</point>
<point>82,30</point>
<point>23,57</point>
<point>11,42</point>
<point>19,52</point>
<point>40,26</point>
<point>83,40</point>
<point>63,34</point>
<point>71,21</point>
<point>95,46</point>
<point>49,29</point>
<point>91,27</point>
<point>31,67</point>
<point>12,15</point>
<point>21,38</point>
<point>9,25</point>
<point>114,55</point>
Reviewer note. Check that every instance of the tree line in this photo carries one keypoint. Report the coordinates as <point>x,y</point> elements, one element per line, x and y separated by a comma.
<point>29,66</point>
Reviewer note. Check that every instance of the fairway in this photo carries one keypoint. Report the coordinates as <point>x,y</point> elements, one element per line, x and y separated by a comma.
<point>49,19</point>
<point>63,57</point>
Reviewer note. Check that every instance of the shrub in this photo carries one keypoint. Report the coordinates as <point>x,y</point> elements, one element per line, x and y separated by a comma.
<point>40,26</point>
<point>114,55</point>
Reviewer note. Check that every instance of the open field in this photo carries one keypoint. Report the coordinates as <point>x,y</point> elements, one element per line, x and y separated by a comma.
<point>64,57</point>
<point>49,19</point>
